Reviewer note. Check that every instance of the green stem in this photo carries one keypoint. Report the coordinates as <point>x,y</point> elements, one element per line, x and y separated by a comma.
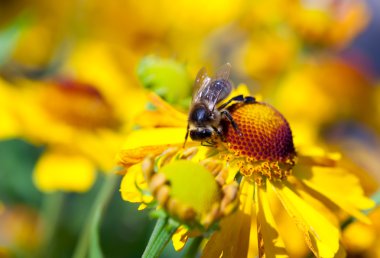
<point>89,236</point>
<point>161,235</point>
<point>51,207</point>
<point>193,248</point>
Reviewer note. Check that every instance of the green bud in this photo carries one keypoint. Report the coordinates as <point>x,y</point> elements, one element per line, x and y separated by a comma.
<point>167,78</point>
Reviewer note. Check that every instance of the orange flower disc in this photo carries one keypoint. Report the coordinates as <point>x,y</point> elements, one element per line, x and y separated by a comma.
<point>79,104</point>
<point>266,135</point>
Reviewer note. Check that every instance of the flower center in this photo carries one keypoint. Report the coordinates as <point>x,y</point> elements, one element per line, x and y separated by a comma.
<point>78,104</point>
<point>193,193</point>
<point>184,175</point>
<point>265,144</point>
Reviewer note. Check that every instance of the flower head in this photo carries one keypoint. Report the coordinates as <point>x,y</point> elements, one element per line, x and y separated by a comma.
<point>265,155</point>
<point>173,187</point>
<point>78,115</point>
<point>265,144</point>
<point>261,158</point>
<point>182,184</point>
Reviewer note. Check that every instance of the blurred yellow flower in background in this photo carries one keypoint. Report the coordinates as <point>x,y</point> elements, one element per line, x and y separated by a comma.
<point>328,22</point>
<point>20,229</point>
<point>362,239</point>
<point>80,116</point>
<point>331,85</point>
<point>266,55</point>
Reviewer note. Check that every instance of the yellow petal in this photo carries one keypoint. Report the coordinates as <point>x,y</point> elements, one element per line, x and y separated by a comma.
<point>156,118</point>
<point>339,186</point>
<point>155,136</point>
<point>329,210</point>
<point>180,238</point>
<point>315,151</point>
<point>141,143</point>
<point>128,158</point>
<point>101,146</point>
<point>253,248</point>
<point>315,156</point>
<point>241,89</point>
<point>38,124</point>
<point>59,170</point>
<point>292,237</point>
<point>341,252</point>
<point>233,238</point>
<point>359,237</point>
<point>95,62</point>
<point>320,235</point>
<point>132,185</point>
<point>142,207</point>
<point>167,115</point>
<point>272,244</point>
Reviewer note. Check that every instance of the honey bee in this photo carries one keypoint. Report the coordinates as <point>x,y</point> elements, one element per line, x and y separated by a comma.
<point>205,117</point>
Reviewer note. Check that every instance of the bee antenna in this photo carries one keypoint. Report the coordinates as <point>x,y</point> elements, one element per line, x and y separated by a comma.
<point>187,135</point>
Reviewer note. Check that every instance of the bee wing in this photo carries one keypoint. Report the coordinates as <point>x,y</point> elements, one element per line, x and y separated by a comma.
<point>212,90</point>
<point>221,90</point>
<point>201,82</point>
<point>223,72</point>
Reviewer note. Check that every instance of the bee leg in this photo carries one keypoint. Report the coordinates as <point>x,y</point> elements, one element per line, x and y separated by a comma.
<point>231,120</point>
<point>208,143</point>
<point>249,100</point>
<point>187,135</point>
<point>239,98</point>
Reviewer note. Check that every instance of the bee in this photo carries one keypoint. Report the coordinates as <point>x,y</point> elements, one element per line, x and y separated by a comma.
<point>205,116</point>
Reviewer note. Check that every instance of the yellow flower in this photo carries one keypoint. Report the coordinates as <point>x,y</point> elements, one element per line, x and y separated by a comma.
<point>265,55</point>
<point>327,22</point>
<point>20,230</point>
<point>332,85</point>
<point>80,117</point>
<point>310,185</point>
<point>47,25</point>
<point>167,177</point>
<point>266,158</point>
<point>170,28</point>
<point>362,239</point>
